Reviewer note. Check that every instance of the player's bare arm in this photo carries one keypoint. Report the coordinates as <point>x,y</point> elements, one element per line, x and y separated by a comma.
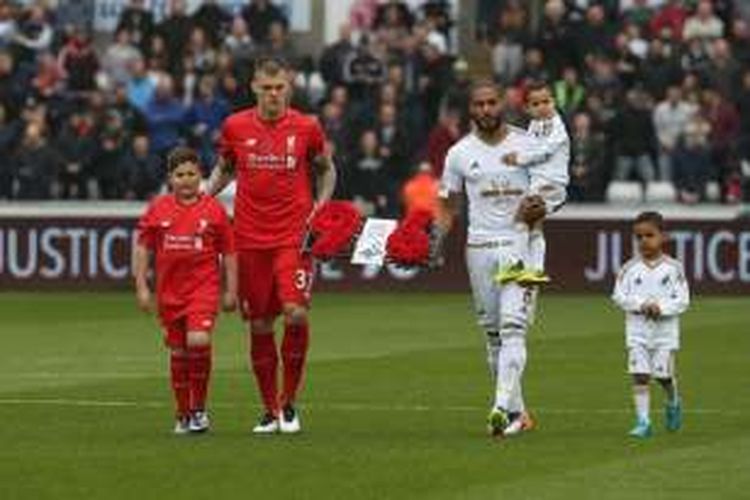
<point>221,175</point>
<point>140,276</point>
<point>229,302</point>
<point>325,173</point>
<point>450,206</point>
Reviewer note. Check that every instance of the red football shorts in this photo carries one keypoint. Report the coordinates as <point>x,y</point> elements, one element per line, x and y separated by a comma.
<point>269,278</point>
<point>176,327</point>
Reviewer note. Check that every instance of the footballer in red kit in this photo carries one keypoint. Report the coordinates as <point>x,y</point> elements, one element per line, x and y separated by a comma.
<point>279,157</point>
<point>187,232</point>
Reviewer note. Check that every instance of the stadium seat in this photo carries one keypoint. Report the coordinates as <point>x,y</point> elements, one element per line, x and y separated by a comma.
<point>661,192</point>
<point>624,192</point>
<point>713,191</point>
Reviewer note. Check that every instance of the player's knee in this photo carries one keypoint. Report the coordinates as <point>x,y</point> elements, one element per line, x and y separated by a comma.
<point>641,378</point>
<point>261,326</point>
<point>295,314</point>
<point>198,339</point>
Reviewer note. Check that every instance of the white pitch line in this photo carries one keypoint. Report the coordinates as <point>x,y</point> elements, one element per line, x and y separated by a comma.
<point>355,407</point>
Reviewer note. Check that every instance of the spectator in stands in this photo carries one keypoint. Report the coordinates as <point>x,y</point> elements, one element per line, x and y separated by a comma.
<point>743,107</point>
<point>138,21</point>
<point>659,70</point>
<point>370,182</point>
<point>176,29</point>
<point>79,63</point>
<point>119,57</point>
<point>594,36</point>
<point>49,79</point>
<point>633,136</point>
<point>443,135</point>
<point>724,71</point>
<point>569,92</point>
<point>334,56</point>
<point>159,58</point>
<point>725,129</point>
<point>13,88</point>
<point>395,146</point>
<point>393,21</point>
<point>740,40</point>
<point>639,13</point>
<point>363,72</point>
<point>34,35</point>
<point>132,118</point>
<point>278,44</point>
<point>435,79</point>
<point>240,47</point>
<point>670,16</point>
<point>111,143</point>
<point>704,25</point>
<point>74,16</point>
<point>555,38</point>
<point>692,161</point>
<point>507,53</point>
<point>140,169</point>
<point>587,161</point>
<point>212,19</point>
<point>204,120</point>
<point>200,52</point>
<point>671,116</point>
<point>10,132</point>
<point>165,117</point>
<point>534,67</point>
<point>76,145</point>
<point>8,25</point>
<point>259,15</point>
<point>140,87</point>
<point>36,165</point>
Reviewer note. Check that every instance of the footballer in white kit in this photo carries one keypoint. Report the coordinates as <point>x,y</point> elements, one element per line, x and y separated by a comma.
<point>547,162</point>
<point>652,290</point>
<point>495,193</point>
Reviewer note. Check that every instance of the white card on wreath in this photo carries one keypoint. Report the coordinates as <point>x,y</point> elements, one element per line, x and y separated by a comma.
<point>370,246</point>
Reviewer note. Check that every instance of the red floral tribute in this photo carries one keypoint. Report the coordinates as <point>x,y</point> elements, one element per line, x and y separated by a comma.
<point>333,229</point>
<point>409,244</point>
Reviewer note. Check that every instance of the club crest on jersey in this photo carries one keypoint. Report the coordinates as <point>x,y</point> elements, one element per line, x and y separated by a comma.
<point>251,142</point>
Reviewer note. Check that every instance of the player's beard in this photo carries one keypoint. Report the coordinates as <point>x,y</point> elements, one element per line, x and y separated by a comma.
<point>488,124</point>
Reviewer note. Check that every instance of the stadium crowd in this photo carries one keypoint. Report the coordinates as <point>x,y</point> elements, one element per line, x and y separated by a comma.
<point>652,90</point>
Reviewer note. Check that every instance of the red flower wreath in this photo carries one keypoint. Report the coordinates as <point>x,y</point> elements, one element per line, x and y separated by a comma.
<point>334,227</point>
<point>409,244</point>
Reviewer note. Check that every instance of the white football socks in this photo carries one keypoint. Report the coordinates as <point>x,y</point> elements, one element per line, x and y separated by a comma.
<point>641,399</point>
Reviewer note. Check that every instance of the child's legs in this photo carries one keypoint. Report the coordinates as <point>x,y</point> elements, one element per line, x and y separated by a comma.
<point>175,340</point>
<point>664,372</point>
<point>639,367</point>
<point>198,346</point>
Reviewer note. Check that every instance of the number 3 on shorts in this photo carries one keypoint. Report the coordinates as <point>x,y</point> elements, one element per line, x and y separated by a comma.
<point>303,281</point>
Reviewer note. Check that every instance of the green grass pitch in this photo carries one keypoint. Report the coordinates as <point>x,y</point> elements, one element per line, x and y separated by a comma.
<point>394,407</point>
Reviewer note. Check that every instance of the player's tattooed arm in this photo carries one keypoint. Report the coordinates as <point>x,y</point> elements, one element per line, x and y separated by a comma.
<point>140,276</point>
<point>325,173</point>
<point>221,175</point>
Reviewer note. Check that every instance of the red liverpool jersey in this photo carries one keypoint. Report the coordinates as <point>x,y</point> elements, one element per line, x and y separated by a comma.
<point>187,241</point>
<point>274,178</point>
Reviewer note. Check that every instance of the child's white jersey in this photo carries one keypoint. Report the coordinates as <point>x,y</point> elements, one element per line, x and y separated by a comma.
<point>663,282</point>
<point>494,191</point>
<point>549,160</point>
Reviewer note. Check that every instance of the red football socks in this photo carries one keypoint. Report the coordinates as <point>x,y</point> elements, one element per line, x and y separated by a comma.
<point>199,373</point>
<point>178,366</point>
<point>293,353</point>
<point>265,361</point>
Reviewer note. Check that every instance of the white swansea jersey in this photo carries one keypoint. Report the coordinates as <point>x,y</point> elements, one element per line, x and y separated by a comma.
<point>662,282</point>
<point>493,189</point>
<point>549,160</point>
